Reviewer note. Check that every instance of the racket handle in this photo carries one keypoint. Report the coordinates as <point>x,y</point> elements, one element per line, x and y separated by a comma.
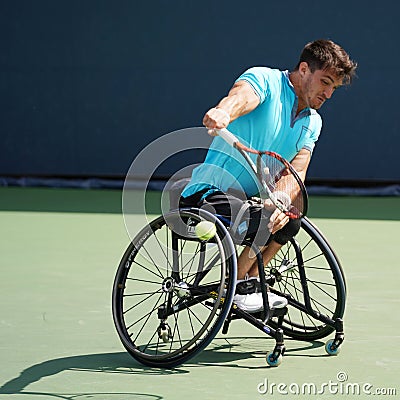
<point>229,137</point>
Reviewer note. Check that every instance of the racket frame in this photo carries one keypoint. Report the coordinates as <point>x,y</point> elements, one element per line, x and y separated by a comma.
<point>233,141</point>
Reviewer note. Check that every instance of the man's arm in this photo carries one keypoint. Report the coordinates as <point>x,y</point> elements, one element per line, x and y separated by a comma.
<point>301,162</point>
<point>240,100</point>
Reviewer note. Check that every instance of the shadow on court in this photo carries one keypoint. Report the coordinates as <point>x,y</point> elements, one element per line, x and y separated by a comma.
<point>99,396</point>
<point>116,363</point>
<point>225,354</point>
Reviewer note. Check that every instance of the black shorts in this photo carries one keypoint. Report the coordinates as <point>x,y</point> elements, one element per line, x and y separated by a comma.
<point>254,218</point>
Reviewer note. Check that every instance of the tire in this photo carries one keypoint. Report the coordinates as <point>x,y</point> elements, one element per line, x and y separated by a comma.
<point>324,278</point>
<point>172,291</point>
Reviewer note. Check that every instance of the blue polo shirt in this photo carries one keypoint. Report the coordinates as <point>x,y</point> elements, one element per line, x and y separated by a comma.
<point>272,125</point>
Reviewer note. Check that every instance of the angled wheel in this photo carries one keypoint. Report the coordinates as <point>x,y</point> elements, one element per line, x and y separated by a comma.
<point>172,291</point>
<point>308,273</point>
<point>331,349</point>
<point>273,360</point>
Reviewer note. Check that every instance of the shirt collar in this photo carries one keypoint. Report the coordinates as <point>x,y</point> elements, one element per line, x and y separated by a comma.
<point>306,111</point>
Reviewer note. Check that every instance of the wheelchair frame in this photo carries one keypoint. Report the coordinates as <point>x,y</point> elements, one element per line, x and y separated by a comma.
<point>191,283</point>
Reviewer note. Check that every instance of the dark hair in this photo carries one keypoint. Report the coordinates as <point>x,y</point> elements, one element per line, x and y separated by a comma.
<point>325,54</point>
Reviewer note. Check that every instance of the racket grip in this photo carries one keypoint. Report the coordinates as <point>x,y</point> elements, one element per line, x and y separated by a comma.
<point>229,137</point>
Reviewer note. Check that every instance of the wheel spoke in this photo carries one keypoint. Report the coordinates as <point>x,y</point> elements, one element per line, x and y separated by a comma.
<point>325,284</point>
<point>163,289</point>
<point>149,270</point>
<point>142,301</point>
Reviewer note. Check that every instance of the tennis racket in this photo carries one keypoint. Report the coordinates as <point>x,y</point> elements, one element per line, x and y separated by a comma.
<point>279,180</point>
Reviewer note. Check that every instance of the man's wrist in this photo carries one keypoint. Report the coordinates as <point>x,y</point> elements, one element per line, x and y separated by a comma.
<point>224,112</point>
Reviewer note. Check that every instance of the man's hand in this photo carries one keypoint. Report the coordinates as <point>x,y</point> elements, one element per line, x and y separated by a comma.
<point>216,118</point>
<point>278,219</point>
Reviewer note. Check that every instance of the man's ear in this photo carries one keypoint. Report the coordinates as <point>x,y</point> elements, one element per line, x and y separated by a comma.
<point>303,68</point>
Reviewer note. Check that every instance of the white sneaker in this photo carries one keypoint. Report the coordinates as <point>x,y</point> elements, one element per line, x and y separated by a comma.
<point>249,302</point>
<point>248,296</point>
<point>276,301</point>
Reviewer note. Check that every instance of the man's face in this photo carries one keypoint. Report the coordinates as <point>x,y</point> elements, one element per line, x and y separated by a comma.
<point>318,86</point>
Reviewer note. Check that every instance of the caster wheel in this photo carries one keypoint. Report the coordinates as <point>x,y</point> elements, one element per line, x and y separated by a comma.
<point>164,335</point>
<point>274,361</point>
<point>332,351</point>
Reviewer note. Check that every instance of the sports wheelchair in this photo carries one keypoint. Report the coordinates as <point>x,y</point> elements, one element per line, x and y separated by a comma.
<point>173,292</point>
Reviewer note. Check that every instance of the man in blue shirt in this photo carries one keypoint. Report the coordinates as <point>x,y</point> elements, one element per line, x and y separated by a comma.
<point>274,110</point>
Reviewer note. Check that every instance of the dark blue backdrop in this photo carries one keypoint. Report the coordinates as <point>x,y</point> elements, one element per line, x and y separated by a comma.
<point>85,85</point>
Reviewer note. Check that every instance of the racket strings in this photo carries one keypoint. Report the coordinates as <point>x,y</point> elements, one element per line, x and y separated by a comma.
<point>283,184</point>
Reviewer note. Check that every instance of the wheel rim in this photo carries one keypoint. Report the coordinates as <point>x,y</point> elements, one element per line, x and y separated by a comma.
<point>324,280</point>
<point>158,288</point>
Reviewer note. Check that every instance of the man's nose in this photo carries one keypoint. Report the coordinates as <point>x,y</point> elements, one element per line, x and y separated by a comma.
<point>328,92</point>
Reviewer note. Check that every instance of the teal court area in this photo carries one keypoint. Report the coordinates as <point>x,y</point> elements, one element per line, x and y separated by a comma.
<point>59,250</point>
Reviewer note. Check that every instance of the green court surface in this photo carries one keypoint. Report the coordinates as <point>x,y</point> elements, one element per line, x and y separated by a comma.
<point>59,250</point>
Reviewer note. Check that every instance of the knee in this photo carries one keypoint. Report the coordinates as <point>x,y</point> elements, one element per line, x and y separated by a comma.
<point>290,230</point>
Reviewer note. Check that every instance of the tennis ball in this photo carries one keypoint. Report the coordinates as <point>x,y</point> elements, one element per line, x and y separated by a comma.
<point>205,230</point>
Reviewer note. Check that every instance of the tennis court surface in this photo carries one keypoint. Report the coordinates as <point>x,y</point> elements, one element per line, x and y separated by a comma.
<point>59,252</point>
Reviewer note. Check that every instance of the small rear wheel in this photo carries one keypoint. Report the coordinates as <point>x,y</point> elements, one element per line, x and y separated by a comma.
<point>331,348</point>
<point>273,360</point>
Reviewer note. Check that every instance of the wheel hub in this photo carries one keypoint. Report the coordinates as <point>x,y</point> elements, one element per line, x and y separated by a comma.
<point>168,285</point>
<point>181,288</point>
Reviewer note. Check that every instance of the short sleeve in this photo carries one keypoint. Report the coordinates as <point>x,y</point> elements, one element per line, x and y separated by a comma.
<point>258,78</point>
<point>314,131</point>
